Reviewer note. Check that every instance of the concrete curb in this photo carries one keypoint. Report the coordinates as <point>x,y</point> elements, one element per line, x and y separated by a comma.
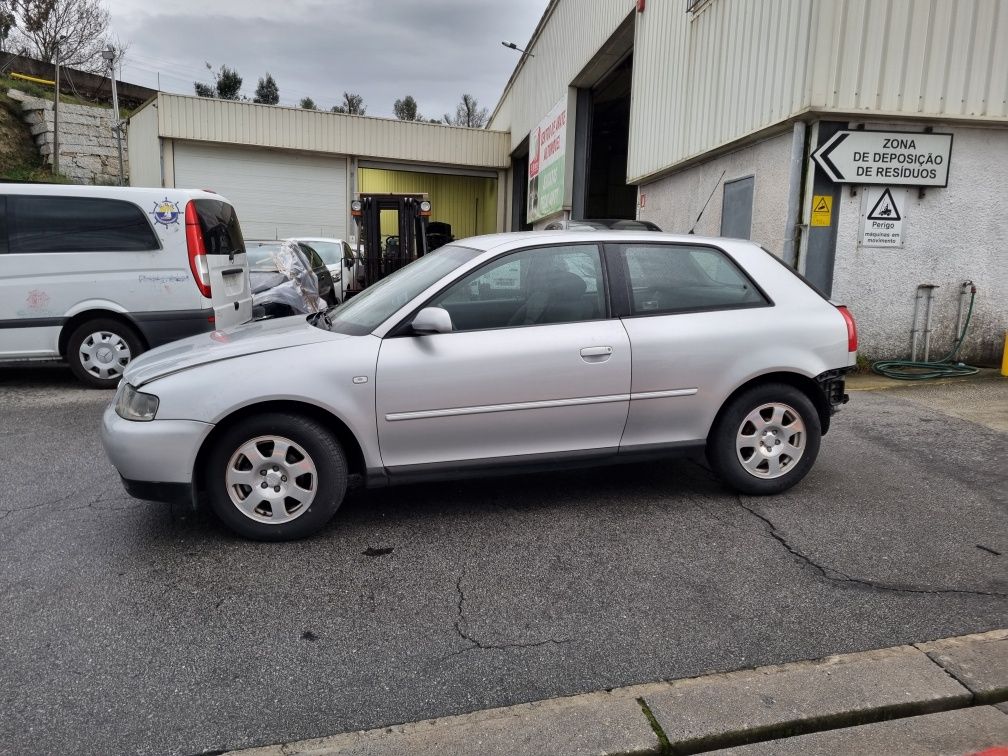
<point>838,694</point>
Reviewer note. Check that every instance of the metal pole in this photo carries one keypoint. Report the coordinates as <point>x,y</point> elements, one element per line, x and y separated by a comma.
<point>928,298</point>
<point>914,330</point>
<point>793,218</point>
<point>117,124</point>
<point>56,99</point>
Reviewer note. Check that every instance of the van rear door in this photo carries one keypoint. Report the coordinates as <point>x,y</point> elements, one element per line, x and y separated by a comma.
<point>223,264</point>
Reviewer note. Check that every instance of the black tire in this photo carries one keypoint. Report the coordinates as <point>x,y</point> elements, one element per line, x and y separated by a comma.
<point>731,464</point>
<point>112,338</point>
<point>322,450</point>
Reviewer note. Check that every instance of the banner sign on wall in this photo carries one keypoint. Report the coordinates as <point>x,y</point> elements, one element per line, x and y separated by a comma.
<point>547,148</point>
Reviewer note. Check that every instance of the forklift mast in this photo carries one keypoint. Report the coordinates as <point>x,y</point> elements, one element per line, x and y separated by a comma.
<point>381,256</point>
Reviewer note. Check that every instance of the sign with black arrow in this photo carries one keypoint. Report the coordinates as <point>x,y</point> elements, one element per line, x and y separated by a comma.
<point>894,158</point>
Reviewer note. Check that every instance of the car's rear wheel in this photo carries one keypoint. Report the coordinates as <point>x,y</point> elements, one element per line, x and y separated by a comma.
<point>276,477</point>
<point>766,439</point>
<point>99,351</point>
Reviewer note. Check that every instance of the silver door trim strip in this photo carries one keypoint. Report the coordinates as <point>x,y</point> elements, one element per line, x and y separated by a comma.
<point>547,404</point>
<point>663,394</point>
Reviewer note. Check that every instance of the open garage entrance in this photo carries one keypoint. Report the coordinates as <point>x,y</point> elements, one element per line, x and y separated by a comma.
<point>467,203</point>
<point>602,131</point>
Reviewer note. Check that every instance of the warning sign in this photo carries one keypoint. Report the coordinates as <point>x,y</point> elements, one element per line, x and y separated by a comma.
<point>882,217</point>
<point>822,209</point>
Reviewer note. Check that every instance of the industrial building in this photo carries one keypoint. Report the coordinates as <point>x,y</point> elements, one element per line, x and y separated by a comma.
<point>863,141</point>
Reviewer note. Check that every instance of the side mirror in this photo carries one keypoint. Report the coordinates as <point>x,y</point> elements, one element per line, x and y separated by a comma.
<point>432,320</point>
<point>348,262</point>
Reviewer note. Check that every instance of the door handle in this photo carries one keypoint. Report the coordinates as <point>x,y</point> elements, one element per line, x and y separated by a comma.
<point>596,353</point>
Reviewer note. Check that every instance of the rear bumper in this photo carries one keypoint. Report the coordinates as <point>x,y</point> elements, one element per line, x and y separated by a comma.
<point>164,327</point>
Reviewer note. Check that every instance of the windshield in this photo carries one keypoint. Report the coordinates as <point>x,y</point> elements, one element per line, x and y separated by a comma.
<point>376,304</point>
<point>330,252</point>
<point>260,255</point>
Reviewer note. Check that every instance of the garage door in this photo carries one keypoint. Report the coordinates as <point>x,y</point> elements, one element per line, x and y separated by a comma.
<point>278,194</point>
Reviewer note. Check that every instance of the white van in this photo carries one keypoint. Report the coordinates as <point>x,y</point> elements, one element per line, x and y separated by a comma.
<point>96,275</point>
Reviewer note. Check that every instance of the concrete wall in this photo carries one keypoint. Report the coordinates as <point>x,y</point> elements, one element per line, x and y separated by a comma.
<point>87,146</point>
<point>952,234</point>
<point>673,202</point>
<point>144,148</point>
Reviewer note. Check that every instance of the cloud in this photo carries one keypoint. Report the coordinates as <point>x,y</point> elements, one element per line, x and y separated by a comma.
<point>383,49</point>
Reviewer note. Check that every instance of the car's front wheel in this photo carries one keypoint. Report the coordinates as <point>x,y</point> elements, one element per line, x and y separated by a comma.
<point>276,477</point>
<point>766,439</point>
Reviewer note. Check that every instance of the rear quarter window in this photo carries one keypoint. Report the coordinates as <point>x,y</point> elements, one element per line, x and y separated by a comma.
<point>222,234</point>
<point>3,224</point>
<point>39,224</point>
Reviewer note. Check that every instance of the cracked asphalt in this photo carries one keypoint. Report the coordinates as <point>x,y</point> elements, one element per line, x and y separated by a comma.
<point>129,627</point>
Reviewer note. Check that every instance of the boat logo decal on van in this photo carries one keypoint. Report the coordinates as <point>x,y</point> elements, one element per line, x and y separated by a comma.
<point>166,212</point>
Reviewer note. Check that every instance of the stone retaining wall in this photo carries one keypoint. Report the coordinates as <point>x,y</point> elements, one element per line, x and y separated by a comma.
<point>87,143</point>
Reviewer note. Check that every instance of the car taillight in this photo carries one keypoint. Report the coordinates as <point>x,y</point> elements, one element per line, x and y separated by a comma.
<point>851,328</point>
<point>197,250</point>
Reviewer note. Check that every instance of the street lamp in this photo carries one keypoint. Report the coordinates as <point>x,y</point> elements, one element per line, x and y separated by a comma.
<point>513,46</point>
<point>109,54</point>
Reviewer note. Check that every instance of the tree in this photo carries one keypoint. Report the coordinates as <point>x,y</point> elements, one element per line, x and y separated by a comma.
<point>406,109</point>
<point>308,103</point>
<point>80,27</point>
<point>468,113</point>
<point>226,86</point>
<point>267,92</point>
<point>353,104</point>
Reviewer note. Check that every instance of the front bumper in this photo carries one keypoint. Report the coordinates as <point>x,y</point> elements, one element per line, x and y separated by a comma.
<point>159,451</point>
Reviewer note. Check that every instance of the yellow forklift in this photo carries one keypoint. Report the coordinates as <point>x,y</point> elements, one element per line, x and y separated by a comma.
<point>379,255</point>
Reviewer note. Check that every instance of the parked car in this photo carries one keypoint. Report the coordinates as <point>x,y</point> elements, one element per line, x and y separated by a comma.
<point>597,224</point>
<point>97,275</point>
<point>289,278</point>
<point>338,256</point>
<point>496,354</point>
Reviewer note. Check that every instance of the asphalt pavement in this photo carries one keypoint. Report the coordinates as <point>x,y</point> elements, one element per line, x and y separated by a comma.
<point>129,627</point>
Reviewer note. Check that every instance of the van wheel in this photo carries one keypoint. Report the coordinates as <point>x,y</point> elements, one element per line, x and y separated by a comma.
<point>766,440</point>
<point>99,351</point>
<point>276,477</point>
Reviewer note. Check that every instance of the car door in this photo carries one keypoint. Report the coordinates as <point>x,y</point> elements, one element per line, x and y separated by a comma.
<point>226,262</point>
<point>692,315</point>
<point>534,367</point>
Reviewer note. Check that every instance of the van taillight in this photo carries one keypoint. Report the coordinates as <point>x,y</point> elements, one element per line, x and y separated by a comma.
<point>851,328</point>
<point>197,250</point>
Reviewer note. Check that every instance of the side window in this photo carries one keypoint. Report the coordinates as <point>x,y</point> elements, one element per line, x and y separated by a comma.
<point>77,224</point>
<point>3,224</point>
<point>531,287</point>
<point>668,278</point>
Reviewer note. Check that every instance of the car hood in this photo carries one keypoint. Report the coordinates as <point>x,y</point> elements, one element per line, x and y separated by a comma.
<point>238,341</point>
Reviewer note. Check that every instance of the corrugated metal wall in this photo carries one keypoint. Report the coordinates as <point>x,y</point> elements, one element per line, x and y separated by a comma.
<point>144,148</point>
<point>245,123</point>
<point>912,57</point>
<point>706,79</point>
<point>576,30</point>
<point>468,203</point>
<point>701,80</point>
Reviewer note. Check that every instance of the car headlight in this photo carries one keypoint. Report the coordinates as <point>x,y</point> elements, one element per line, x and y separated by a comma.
<point>131,404</point>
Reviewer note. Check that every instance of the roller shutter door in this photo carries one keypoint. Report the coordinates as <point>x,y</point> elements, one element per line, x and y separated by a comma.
<point>277,193</point>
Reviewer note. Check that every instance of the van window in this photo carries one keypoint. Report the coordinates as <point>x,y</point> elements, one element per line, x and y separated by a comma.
<point>3,225</point>
<point>221,232</point>
<point>77,224</point>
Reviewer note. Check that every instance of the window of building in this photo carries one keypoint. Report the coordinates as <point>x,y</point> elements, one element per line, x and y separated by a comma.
<point>670,278</point>
<point>77,224</point>
<point>531,287</point>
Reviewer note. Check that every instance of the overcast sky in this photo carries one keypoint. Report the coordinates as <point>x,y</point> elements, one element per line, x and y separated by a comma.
<point>382,49</point>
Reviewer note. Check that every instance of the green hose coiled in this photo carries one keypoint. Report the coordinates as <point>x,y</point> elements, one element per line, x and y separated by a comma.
<point>908,370</point>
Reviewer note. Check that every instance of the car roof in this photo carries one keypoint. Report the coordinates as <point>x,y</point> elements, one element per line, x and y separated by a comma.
<point>490,242</point>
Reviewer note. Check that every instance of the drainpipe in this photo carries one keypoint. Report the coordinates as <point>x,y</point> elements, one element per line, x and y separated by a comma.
<point>790,251</point>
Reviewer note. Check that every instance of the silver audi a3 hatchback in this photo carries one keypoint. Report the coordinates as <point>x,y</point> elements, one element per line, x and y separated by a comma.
<point>501,353</point>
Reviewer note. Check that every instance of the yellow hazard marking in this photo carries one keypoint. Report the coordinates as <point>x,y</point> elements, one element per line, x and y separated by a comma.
<point>822,209</point>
